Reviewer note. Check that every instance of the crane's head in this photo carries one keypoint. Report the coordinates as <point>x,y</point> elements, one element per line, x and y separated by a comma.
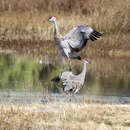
<point>52,19</point>
<point>86,61</point>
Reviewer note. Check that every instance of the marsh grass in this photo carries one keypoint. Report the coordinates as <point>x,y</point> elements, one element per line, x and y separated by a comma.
<point>65,116</point>
<point>25,27</point>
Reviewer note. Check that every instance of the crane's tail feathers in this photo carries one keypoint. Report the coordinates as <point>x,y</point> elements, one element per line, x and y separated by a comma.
<point>94,35</point>
<point>74,56</point>
<point>97,33</point>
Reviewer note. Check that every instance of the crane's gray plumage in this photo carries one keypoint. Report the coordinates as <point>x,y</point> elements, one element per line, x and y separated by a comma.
<point>72,83</point>
<point>78,37</point>
<point>74,41</point>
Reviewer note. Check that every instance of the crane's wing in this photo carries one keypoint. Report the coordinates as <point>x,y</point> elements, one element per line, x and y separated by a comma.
<point>68,76</point>
<point>78,37</point>
<point>70,86</point>
<point>67,85</point>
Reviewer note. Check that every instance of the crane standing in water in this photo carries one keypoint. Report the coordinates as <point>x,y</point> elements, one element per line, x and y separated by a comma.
<point>72,83</point>
<point>74,41</point>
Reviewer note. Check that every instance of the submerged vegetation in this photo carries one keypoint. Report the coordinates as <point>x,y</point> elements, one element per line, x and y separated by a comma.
<point>18,73</point>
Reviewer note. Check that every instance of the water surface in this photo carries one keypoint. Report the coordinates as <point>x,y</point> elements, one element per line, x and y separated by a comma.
<point>105,76</point>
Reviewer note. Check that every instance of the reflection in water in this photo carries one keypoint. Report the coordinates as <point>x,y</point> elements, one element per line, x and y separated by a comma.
<point>104,76</point>
<point>18,73</point>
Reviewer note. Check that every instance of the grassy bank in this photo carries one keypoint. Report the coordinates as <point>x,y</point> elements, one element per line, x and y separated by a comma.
<point>24,28</point>
<point>65,115</point>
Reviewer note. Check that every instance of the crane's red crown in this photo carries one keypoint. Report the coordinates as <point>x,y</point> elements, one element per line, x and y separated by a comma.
<point>86,59</point>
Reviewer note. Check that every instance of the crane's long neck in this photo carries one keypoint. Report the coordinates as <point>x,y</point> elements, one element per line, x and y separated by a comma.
<point>55,28</point>
<point>83,73</point>
<point>84,68</point>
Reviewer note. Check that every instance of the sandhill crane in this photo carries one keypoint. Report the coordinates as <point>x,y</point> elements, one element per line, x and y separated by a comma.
<point>72,83</point>
<point>74,41</point>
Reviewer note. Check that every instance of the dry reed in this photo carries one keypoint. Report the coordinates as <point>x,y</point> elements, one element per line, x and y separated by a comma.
<point>64,116</point>
<point>24,25</point>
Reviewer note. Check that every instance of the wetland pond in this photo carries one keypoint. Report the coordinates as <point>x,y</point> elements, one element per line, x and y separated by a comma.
<point>22,77</point>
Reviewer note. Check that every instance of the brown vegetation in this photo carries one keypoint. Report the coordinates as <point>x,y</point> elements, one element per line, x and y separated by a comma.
<point>24,25</point>
<point>66,116</point>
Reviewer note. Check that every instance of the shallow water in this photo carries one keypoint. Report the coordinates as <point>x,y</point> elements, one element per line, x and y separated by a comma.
<point>37,97</point>
<point>105,76</point>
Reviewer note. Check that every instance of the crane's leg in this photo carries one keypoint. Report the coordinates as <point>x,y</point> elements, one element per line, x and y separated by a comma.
<point>69,99</point>
<point>63,63</point>
<point>57,78</point>
<point>69,64</point>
